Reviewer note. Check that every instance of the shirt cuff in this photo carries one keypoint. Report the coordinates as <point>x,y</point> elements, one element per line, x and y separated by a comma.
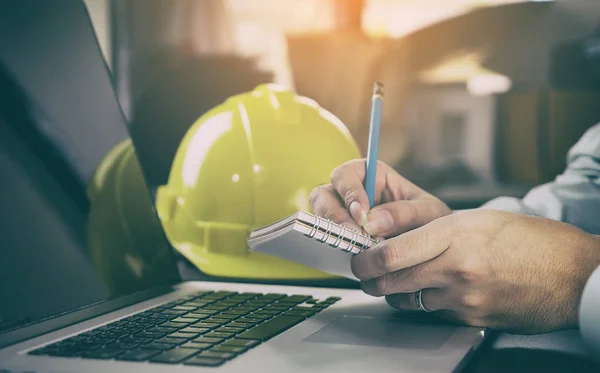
<point>589,314</point>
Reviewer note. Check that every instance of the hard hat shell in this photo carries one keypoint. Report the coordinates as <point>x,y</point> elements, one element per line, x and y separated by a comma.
<point>247,163</point>
<point>127,246</point>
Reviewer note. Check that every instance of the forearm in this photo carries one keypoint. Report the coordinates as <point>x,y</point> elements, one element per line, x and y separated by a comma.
<point>574,196</point>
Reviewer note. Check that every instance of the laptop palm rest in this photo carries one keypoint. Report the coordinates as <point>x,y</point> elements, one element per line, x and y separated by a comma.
<point>383,332</point>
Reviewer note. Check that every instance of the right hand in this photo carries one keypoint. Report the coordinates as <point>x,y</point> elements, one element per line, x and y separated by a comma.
<point>399,204</point>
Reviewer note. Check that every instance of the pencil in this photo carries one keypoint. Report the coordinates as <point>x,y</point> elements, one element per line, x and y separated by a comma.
<point>373,150</point>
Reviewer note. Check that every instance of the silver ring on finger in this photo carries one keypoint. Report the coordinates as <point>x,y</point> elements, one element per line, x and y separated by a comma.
<point>419,300</point>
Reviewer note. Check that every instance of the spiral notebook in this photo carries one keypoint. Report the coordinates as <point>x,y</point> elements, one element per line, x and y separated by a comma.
<point>313,241</point>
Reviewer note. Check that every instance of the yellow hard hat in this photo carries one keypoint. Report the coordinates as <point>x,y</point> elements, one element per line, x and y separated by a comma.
<point>247,163</point>
<point>127,246</point>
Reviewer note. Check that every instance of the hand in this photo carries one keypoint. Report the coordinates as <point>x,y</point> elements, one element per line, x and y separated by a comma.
<point>400,205</point>
<point>486,268</point>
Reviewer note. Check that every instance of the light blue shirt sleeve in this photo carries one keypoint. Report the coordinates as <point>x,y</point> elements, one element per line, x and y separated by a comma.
<point>574,198</point>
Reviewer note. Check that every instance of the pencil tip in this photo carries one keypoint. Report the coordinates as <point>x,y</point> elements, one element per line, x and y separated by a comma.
<point>378,88</point>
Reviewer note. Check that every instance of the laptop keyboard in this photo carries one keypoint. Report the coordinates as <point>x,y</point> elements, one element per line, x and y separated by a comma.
<point>202,329</point>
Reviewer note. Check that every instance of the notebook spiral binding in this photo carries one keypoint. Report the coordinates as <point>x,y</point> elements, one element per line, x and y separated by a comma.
<point>354,244</point>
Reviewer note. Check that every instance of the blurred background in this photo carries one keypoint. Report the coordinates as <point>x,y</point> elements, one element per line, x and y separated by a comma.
<point>483,97</point>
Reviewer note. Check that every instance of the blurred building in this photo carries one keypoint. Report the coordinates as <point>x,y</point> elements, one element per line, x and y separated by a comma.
<point>470,97</point>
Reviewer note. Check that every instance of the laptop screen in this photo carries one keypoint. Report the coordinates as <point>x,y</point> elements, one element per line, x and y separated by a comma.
<point>76,220</point>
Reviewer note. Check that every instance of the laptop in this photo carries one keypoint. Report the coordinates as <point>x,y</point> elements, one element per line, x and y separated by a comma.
<point>59,315</point>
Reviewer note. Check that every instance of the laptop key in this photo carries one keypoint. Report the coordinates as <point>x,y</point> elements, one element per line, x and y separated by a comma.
<point>176,325</point>
<point>219,335</point>
<point>204,361</point>
<point>147,334</point>
<point>271,328</point>
<point>237,312</point>
<point>183,335</point>
<point>247,343</point>
<point>184,320</point>
<point>256,303</point>
<point>228,329</point>
<point>136,340</point>
<point>170,313</point>
<point>197,316</point>
<point>229,349</point>
<point>218,320</point>
<point>225,316</point>
<point>175,355</point>
<point>266,312</point>
<point>137,355</point>
<point>243,325</point>
<point>296,298</point>
<point>170,340</point>
<point>260,317</point>
<point>122,346</point>
<point>159,346</point>
<point>162,329</point>
<point>272,296</point>
<point>204,325</point>
<point>102,353</point>
<point>250,319</point>
<point>215,308</point>
<point>195,330</point>
<point>296,313</point>
<point>217,355</point>
<point>64,353</point>
<point>200,346</point>
<point>203,311</point>
<point>212,340</point>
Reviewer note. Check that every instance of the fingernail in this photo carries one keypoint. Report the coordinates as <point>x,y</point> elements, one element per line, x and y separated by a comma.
<point>358,213</point>
<point>379,223</point>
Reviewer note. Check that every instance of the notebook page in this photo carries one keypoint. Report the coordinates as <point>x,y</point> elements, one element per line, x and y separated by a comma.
<point>295,246</point>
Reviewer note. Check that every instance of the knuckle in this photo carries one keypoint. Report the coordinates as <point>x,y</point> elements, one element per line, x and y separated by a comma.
<point>471,270</point>
<point>349,197</point>
<point>387,258</point>
<point>327,214</point>
<point>472,300</point>
<point>314,195</point>
<point>381,284</point>
<point>340,171</point>
<point>336,173</point>
<point>411,212</point>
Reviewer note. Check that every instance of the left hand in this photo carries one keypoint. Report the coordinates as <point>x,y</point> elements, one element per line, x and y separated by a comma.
<point>486,268</point>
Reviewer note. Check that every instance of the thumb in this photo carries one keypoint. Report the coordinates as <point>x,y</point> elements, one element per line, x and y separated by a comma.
<point>394,218</point>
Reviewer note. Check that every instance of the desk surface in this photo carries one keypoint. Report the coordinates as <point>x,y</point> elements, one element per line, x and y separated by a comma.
<point>561,351</point>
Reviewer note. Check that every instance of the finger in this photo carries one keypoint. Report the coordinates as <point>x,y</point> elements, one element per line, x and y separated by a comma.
<point>394,218</point>
<point>433,299</point>
<point>325,203</point>
<point>348,181</point>
<point>427,275</point>
<point>404,251</point>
